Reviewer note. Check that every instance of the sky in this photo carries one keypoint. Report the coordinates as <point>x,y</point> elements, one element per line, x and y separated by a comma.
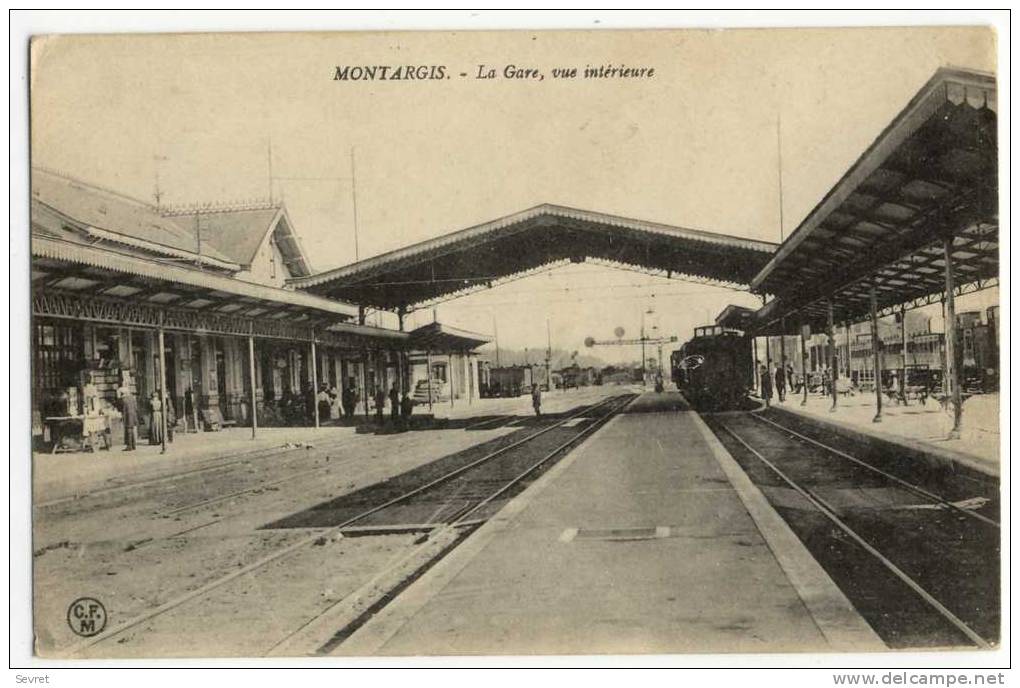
<point>697,145</point>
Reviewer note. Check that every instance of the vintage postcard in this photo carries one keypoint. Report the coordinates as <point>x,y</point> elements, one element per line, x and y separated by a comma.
<point>377,344</point>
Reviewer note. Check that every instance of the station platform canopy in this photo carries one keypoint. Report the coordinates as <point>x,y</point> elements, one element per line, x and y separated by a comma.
<point>481,256</point>
<point>437,337</point>
<point>931,174</point>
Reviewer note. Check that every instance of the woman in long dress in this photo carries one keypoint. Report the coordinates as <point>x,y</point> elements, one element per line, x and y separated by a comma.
<point>155,420</point>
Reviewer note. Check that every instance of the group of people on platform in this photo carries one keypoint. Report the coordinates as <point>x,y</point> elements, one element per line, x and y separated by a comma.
<point>331,404</point>
<point>778,378</point>
<point>131,418</point>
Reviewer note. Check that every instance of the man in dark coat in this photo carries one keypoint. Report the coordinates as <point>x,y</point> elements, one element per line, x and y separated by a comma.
<point>406,409</point>
<point>129,413</point>
<point>536,399</point>
<point>380,403</point>
<point>394,403</point>
<point>781,383</point>
<point>766,384</point>
<point>349,399</point>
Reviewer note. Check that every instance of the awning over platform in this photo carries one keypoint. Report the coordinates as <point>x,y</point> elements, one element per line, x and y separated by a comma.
<point>932,173</point>
<point>105,271</point>
<point>81,282</point>
<point>437,337</point>
<point>483,255</point>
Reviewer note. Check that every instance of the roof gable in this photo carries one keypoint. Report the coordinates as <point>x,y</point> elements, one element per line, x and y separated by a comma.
<point>116,216</point>
<point>241,233</point>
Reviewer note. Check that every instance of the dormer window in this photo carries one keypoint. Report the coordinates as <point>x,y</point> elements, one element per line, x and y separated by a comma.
<point>272,259</point>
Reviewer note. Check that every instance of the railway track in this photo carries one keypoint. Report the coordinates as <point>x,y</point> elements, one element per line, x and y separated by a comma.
<point>921,567</point>
<point>217,466</point>
<point>447,488</point>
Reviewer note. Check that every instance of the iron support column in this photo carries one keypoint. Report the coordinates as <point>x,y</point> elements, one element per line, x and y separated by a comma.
<point>903,338</point>
<point>755,366</point>
<point>803,365</point>
<point>251,375</point>
<point>162,388</point>
<point>876,354</point>
<point>315,382</point>
<point>782,356</point>
<point>364,380</point>
<point>952,369</point>
<point>832,356</point>
<point>428,374</point>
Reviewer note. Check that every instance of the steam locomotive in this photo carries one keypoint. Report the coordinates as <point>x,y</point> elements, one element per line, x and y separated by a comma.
<point>714,369</point>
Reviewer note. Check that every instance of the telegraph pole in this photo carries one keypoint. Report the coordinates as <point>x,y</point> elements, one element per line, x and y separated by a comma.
<point>354,203</point>
<point>548,355</point>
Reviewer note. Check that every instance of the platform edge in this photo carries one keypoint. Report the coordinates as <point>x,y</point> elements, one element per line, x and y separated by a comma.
<point>839,622</point>
<point>371,637</point>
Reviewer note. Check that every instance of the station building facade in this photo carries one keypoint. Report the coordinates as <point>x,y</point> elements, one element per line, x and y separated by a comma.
<point>115,279</point>
<point>976,331</point>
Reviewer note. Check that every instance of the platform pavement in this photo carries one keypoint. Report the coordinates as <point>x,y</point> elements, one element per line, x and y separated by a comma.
<point>648,538</point>
<point>56,476</point>
<point>921,427</point>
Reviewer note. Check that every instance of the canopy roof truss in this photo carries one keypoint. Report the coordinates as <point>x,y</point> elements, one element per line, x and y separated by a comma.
<point>930,176</point>
<point>524,243</point>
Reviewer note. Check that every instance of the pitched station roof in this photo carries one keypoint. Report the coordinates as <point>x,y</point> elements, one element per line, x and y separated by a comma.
<point>111,216</point>
<point>64,265</point>
<point>479,256</point>
<point>239,234</point>
<point>931,173</point>
<point>438,337</point>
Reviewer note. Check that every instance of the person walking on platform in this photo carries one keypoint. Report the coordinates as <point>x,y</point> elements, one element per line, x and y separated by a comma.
<point>536,399</point>
<point>171,418</point>
<point>380,404</point>
<point>406,409</point>
<point>155,420</point>
<point>323,400</point>
<point>129,414</point>
<point>349,399</point>
<point>781,383</point>
<point>766,385</point>
<point>394,403</point>
<point>334,402</point>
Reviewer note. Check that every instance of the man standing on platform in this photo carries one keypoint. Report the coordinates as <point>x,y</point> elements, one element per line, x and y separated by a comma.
<point>349,399</point>
<point>394,404</point>
<point>766,385</point>
<point>380,404</point>
<point>536,399</point>
<point>781,382</point>
<point>129,414</point>
<point>406,409</point>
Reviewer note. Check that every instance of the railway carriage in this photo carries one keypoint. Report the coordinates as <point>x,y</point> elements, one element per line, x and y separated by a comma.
<point>714,369</point>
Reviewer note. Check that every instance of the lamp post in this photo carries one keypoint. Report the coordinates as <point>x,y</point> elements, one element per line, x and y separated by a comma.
<point>644,338</point>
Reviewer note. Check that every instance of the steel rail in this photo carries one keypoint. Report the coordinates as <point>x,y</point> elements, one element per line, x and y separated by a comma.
<point>303,542</point>
<point>460,520</point>
<point>830,514</point>
<point>864,464</point>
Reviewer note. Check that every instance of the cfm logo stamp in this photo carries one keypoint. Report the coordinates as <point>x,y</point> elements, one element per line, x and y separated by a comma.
<point>86,616</point>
